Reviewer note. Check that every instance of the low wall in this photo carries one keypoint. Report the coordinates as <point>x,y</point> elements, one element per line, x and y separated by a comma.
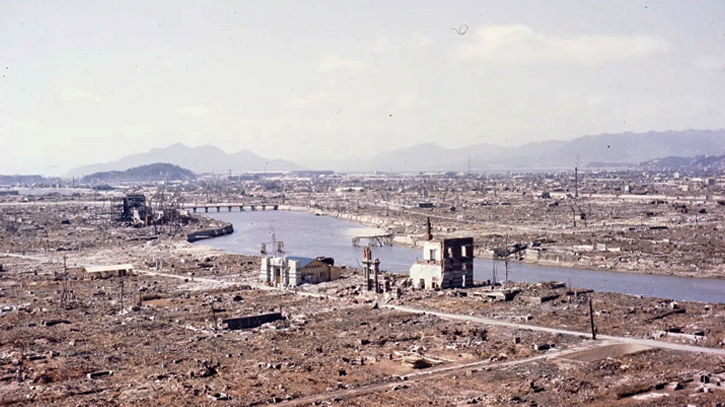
<point>210,233</point>
<point>251,321</point>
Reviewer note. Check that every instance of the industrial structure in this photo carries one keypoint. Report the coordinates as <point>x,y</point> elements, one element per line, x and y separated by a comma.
<point>447,263</point>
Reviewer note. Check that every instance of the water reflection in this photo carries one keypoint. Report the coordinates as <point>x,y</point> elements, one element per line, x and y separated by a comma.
<point>310,236</point>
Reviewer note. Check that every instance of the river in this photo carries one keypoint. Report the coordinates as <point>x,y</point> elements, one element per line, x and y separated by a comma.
<point>308,235</point>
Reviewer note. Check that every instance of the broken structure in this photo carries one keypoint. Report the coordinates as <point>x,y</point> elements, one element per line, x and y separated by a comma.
<point>134,208</point>
<point>447,263</point>
<point>294,271</point>
<point>251,321</point>
<point>371,268</point>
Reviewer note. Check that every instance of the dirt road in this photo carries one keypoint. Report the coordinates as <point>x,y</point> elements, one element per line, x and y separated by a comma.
<point>488,321</point>
<point>432,374</point>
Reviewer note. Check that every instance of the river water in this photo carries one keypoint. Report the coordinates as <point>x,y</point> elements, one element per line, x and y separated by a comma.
<point>308,235</point>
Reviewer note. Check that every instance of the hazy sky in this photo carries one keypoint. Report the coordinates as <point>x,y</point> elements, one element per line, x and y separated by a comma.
<point>91,81</point>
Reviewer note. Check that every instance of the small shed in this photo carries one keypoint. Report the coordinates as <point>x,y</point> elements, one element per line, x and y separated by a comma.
<point>102,272</point>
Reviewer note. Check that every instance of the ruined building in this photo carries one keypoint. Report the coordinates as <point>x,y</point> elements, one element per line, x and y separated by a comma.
<point>447,263</point>
<point>134,208</point>
<point>371,268</point>
<point>294,271</point>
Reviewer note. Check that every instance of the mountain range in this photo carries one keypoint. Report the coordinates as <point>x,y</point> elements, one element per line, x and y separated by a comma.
<point>626,149</point>
<point>622,149</point>
<point>198,159</point>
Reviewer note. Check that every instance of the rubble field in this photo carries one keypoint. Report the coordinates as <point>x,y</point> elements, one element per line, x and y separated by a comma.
<point>695,323</point>
<point>164,345</point>
<point>641,379</point>
<point>163,335</point>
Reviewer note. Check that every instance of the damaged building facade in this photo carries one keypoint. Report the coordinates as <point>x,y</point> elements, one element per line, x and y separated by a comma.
<point>447,263</point>
<point>134,208</point>
<point>293,271</point>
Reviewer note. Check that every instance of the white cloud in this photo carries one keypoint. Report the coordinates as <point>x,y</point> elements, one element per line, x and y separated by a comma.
<point>194,111</point>
<point>307,101</point>
<point>383,44</point>
<point>414,40</point>
<point>27,124</point>
<point>332,63</point>
<point>710,62</point>
<point>419,40</point>
<point>72,94</point>
<point>519,44</point>
<point>409,101</point>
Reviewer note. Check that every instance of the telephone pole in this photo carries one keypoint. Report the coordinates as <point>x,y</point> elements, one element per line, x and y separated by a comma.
<point>121,295</point>
<point>506,263</point>
<point>591,318</point>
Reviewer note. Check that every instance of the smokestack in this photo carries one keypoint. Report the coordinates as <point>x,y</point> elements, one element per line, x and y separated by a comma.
<point>428,235</point>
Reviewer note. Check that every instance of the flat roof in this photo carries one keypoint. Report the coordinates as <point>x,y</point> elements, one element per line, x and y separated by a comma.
<point>303,260</point>
<point>109,268</point>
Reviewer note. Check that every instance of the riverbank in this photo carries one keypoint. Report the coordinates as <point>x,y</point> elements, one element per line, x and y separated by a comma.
<point>621,262</point>
<point>408,234</point>
<point>311,236</point>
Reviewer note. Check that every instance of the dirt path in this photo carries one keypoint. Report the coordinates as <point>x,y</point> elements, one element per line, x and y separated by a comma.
<point>488,321</point>
<point>432,374</point>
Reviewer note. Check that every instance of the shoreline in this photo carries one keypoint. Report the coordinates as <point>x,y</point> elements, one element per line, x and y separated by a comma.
<point>405,240</point>
<point>488,255</point>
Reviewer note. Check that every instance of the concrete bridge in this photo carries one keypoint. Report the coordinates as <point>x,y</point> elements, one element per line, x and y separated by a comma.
<point>230,207</point>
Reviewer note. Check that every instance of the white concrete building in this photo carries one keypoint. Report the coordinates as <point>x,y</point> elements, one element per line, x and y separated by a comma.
<point>446,263</point>
<point>294,271</point>
<point>280,272</point>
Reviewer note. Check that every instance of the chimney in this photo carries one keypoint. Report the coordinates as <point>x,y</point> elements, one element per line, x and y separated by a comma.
<point>428,236</point>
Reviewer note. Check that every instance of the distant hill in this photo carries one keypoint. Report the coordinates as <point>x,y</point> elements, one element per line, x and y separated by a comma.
<point>625,149</point>
<point>198,159</point>
<point>145,173</point>
<point>698,163</point>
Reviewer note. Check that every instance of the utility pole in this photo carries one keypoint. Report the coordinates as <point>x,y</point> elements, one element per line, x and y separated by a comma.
<point>591,319</point>
<point>506,263</point>
<point>121,295</point>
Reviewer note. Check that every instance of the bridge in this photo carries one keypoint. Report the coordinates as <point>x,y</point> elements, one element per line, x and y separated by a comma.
<point>378,240</point>
<point>230,207</point>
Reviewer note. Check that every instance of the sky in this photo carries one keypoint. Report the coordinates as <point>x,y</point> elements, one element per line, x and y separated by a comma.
<point>91,81</point>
